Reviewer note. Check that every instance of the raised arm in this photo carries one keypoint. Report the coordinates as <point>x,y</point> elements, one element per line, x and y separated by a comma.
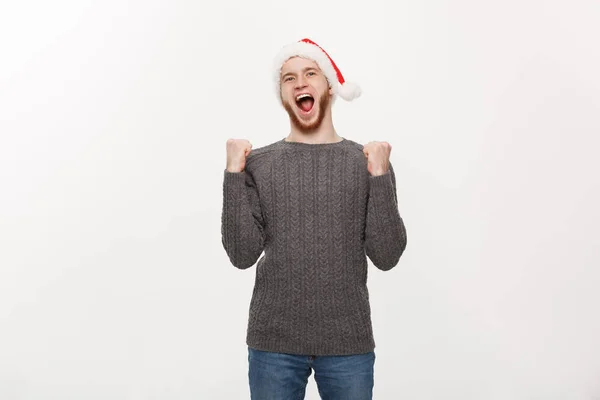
<point>242,225</point>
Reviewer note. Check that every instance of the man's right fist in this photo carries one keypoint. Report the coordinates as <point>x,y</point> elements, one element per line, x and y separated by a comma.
<point>237,151</point>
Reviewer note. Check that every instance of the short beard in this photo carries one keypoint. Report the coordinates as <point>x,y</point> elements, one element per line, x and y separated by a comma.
<point>301,125</point>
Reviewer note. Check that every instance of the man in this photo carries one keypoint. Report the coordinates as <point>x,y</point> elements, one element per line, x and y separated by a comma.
<point>318,205</point>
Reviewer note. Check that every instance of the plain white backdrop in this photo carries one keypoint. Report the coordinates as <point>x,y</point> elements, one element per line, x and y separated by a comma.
<point>113,121</point>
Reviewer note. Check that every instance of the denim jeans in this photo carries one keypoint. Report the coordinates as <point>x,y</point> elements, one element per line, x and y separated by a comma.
<point>278,376</point>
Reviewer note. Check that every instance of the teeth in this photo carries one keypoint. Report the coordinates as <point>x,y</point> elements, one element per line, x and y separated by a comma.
<point>300,97</point>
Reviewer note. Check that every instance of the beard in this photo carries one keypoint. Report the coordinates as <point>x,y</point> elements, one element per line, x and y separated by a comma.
<point>307,127</point>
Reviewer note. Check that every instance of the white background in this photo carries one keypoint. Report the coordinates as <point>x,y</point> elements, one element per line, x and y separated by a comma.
<point>113,121</point>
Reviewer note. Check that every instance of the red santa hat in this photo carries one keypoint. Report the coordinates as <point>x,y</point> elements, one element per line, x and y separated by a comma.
<point>306,48</point>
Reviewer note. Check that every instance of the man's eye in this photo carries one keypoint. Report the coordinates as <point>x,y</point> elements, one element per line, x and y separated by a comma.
<point>288,78</point>
<point>312,73</point>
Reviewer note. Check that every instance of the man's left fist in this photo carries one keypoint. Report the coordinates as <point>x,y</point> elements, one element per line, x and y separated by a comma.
<point>378,157</point>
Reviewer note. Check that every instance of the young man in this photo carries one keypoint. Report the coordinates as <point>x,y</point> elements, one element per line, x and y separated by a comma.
<point>318,205</point>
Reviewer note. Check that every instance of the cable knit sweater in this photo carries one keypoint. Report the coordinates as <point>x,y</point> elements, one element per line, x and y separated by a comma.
<point>317,213</point>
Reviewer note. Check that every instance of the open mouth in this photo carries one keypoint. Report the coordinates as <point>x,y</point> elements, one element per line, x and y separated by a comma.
<point>305,102</point>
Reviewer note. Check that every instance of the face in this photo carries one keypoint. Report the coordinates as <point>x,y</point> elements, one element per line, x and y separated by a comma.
<point>305,93</point>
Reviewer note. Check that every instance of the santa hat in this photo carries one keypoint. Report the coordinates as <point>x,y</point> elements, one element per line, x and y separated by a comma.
<point>306,48</point>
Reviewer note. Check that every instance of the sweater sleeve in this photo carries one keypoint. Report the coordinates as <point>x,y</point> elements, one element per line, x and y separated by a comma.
<point>385,233</point>
<point>242,225</point>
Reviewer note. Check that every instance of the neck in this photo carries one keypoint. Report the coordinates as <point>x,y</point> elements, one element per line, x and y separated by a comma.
<point>325,133</point>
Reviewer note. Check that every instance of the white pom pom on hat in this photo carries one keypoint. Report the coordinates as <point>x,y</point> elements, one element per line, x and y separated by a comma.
<point>306,48</point>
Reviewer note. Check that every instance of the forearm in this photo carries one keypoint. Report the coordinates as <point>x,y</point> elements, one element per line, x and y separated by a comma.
<point>385,233</point>
<point>241,229</point>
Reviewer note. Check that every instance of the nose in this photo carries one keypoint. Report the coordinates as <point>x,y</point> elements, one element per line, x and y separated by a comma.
<point>300,82</point>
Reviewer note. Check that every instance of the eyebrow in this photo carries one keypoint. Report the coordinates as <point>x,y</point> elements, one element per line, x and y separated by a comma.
<point>305,69</point>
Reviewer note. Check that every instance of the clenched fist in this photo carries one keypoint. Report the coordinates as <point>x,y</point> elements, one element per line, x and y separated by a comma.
<point>378,156</point>
<point>237,151</point>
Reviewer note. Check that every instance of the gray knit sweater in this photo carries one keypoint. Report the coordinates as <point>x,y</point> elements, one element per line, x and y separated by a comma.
<point>317,213</point>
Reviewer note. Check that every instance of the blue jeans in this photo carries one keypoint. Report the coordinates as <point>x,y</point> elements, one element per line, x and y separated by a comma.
<point>278,376</point>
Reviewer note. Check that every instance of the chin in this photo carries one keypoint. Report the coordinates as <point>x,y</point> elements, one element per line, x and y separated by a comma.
<point>311,123</point>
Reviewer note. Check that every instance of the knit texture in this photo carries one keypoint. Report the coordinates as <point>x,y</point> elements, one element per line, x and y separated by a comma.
<point>317,214</point>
